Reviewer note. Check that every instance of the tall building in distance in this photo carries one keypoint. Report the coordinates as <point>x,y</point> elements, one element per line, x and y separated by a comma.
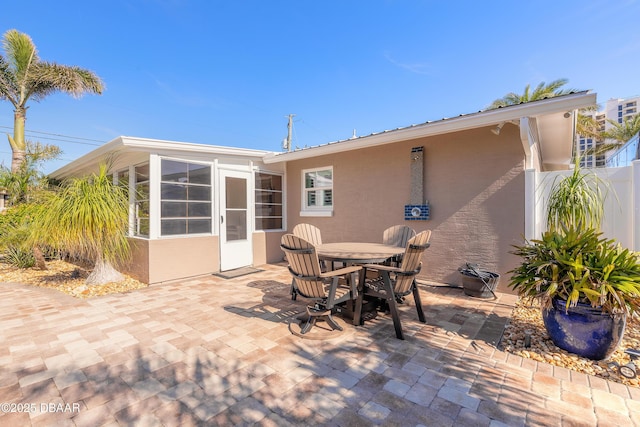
<point>616,110</point>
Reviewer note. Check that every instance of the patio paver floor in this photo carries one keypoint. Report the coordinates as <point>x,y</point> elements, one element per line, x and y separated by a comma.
<point>210,351</point>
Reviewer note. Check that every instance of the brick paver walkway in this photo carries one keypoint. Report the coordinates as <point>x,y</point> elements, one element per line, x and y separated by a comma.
<point>219,352</point>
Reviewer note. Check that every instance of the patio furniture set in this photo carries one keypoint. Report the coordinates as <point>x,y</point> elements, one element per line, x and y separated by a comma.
<point>335,275</point>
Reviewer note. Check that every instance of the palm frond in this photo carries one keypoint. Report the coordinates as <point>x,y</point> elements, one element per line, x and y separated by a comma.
<point>541,91</point>
<point>622,132</point>
<point>20,51</point>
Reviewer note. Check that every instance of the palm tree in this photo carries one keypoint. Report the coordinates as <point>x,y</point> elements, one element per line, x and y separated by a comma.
<point>622,132</point>
<point>88,218</point>
<point>28,179</point>
<point>586,124</point>
<point>24,76</point>
<point>540,92</point>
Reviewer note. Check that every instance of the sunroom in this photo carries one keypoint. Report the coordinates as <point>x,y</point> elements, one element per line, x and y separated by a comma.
<point>194,209</point>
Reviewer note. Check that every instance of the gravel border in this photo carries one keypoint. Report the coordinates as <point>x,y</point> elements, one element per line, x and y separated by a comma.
<point>526,316</point>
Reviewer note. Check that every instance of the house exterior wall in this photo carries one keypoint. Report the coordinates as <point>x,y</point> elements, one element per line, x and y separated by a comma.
<point>165,260</point>
<point>138,267</point>
<point>473,181</point>
<point>266,247</point>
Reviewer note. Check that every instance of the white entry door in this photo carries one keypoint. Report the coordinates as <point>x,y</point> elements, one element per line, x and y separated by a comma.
<point>235,232</point>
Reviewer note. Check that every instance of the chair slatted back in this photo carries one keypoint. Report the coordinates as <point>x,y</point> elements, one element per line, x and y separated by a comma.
<point>411,261</point>
<point>308,232</point>
<point>398,235</point>
<point>303,265</point>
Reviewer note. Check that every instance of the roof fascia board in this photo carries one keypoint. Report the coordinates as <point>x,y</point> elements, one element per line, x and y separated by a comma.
<point>87,159</point>
<point>152,145</point>
<point>189,147</point>
<point>464,122</point>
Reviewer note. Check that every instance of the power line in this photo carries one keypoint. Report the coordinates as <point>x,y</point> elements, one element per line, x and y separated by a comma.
<point>79,140</point>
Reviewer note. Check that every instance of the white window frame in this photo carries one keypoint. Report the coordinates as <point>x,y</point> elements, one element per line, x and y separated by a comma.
<point>323,210</point>
<point>255,200</point>
<point>161,200</point>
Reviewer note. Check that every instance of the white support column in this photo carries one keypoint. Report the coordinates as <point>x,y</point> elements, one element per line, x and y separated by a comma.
<point>154,196</point>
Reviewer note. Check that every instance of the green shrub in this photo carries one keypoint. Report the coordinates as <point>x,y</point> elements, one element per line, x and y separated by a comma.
<point>578,265</point>
<point>19,257</point>
<point>14,232</point>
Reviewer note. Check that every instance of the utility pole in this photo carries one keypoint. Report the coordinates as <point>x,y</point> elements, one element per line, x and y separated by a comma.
<point>286,144</point>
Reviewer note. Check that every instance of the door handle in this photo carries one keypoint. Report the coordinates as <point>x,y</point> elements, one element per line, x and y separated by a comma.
<point>221,219</point>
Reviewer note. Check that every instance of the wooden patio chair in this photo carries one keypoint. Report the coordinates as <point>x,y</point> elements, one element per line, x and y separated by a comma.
<point>311,234</point>
<point>308,232</point>
<point>397,235</point>
<point>393,283</point>
<point>325,289</point>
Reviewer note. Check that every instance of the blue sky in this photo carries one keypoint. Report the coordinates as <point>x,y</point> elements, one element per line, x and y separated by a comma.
<point>229,72</point>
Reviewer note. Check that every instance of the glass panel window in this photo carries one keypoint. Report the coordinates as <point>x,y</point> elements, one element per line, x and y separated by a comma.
<point>173,171</point>
<point>199,174</point>
<point>268,204</point>
<point>141,211</point>
<point>123,179</point>
<point>185,198</point>
<point>318,189</point>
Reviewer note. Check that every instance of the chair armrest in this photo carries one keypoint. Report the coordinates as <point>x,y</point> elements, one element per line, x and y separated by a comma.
<point>341,271</point>
<point>381,267</point>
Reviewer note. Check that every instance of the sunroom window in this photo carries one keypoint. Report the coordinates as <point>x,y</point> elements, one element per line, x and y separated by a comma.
<point>141,212</point>
<point>318,191</point>
<point>268,201</point>
<point>185,198</point>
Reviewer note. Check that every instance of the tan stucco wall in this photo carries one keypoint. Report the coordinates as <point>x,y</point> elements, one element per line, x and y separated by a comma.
<point>163,260</point>
<point>473,180</point>
<point>138,268</point>
<point>172,259</point>
<point>266,247</point>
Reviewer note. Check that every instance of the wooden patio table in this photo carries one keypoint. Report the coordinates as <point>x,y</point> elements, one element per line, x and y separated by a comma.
<point>356,253</point>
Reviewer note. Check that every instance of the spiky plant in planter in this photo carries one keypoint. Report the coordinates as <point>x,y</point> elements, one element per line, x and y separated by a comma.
<point>587,284</point>
<point>578,266</point>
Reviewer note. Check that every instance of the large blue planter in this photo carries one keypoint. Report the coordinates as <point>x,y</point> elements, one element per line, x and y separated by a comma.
<point>584,330</point>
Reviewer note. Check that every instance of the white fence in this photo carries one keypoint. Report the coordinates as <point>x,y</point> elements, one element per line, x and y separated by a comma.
<point>622,205</point>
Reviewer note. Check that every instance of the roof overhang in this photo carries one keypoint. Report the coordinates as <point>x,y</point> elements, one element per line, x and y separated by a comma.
<point>128,145</point>
<point>552,140</point>
<point>548,112</point>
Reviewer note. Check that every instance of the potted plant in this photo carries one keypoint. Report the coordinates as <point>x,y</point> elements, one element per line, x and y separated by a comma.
<point>587,284</point>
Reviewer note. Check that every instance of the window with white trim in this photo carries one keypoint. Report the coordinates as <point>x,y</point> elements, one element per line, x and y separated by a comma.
<point>185,198</point>
<point>317,187</point>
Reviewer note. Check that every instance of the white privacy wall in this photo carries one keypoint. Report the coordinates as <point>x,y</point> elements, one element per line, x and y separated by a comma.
<point>622,204</point>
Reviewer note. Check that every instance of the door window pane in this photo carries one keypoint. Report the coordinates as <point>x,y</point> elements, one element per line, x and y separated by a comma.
<point>236,193</point>
<point>236,225</point>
